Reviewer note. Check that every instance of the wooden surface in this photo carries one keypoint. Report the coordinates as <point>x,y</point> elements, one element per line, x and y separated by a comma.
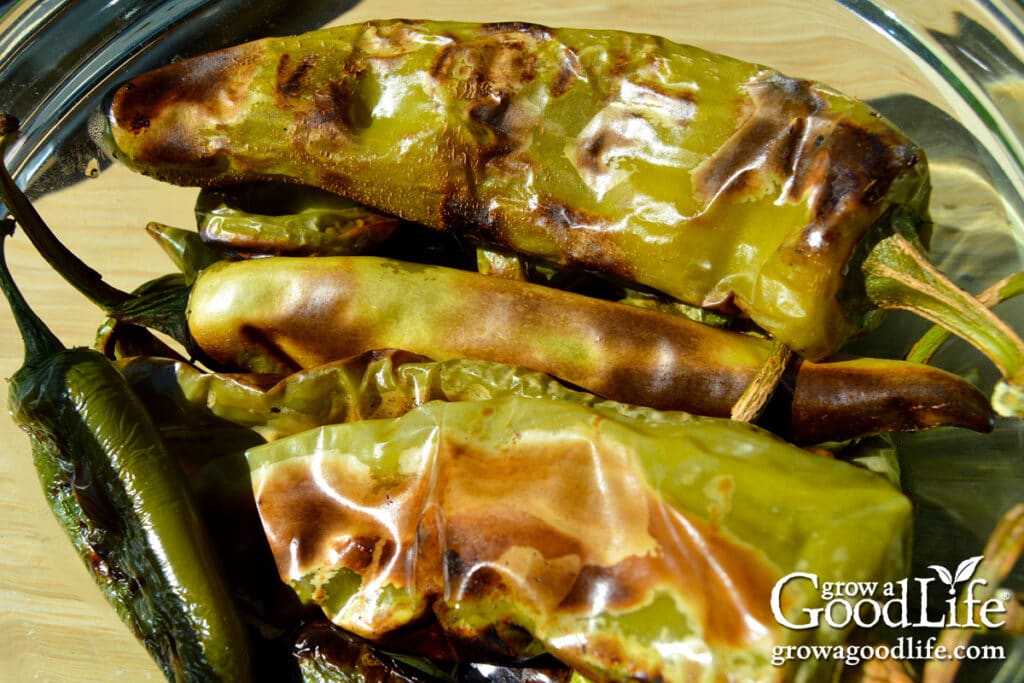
<point>54,624</point>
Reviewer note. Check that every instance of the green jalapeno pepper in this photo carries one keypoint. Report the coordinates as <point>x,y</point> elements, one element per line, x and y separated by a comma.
<point>123,502</point>
<point>281,314</point>
<point>718,182</point>
<point>630,544</point>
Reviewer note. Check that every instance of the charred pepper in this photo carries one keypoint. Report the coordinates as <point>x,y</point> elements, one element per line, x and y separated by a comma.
<point>244,314</point>
<point>283,314</point>
<point>719,182</point>
<point>123,502</point>
<point>630,544</point>
<point>269,218</point>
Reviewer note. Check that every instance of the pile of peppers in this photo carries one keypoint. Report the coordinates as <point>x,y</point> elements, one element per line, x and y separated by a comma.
<point>550,407</point>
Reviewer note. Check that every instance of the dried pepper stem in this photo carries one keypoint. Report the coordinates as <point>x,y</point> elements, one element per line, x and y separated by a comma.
<point>757,394</point>
<point>1001,553</point>
<point>897,276</point>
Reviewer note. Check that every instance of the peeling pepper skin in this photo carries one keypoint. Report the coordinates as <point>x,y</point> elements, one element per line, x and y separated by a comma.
<point>282,314</point>
<point>632,545</point>
<point>719,182</point>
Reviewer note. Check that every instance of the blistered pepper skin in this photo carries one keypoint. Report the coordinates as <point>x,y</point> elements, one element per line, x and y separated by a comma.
<point>632,545</point>
<point>284,314</point>
<point>719,182</point>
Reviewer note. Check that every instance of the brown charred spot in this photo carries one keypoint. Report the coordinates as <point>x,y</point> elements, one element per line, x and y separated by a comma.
<point>444,61</point>
<point>705,389</point>
<point>175,145</point>
<point>620,63</point>
<point>535,31</point>
<point>491,113</point>
<point>604,581</point>
<point>361,553</point>
<point>138,123</point>
<point>786,158</point>
<point>766,146</point>
<point>582,240</point>
<point>292,78</point>
<point>462,214</point>
<point>337,108</point>
<point>842,167</point>
<point>475,581</point>
<point>865,166</point>
<point>311,518</point>
<point>500,138</point>
<point>840,400</point>
<point>568,73</point>
<point>197,81</point>
<point>592,155</point>
<point>488,69</point>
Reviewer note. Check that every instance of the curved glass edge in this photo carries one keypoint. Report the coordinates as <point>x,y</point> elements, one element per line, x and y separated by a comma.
<point>986,72</point>
<point>76,82</point>
<point>59,59</point>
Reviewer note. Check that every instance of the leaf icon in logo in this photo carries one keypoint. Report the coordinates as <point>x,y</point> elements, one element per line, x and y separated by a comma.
<point>964,571</point>
<point>944,574</point>
<point>966,568</point>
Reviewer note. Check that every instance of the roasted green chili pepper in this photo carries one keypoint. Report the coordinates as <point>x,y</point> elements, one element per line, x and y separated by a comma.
<point>122,500</point>
<point>718,182</point>
<point>628,543</point>
<point>637,356</point>
<point>282,314</point>
<point>275,219</point>
<point>327,654</point>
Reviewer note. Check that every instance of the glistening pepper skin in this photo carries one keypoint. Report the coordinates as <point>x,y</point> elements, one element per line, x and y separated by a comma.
<point>719,182</point>
<point>281,314</point>
<point>123,502</point>
<point>631,544</point>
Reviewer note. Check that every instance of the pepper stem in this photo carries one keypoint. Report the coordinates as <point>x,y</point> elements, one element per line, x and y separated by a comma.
<point>925,348</point>
<point>897,276</point>
<point>73,269</point>
<point>761,388</point>
<point>1002,550</point>
<point>40,342</point>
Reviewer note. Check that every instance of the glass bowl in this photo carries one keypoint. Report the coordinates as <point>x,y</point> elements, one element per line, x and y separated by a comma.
<point>949,72</point>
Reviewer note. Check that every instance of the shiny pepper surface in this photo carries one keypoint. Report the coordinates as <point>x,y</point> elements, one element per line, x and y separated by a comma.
<point>124,504</point>
<point>719,182</point>
<point>629,543</point>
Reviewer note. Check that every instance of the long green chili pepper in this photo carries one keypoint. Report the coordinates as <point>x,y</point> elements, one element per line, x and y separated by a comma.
<point>289,220</point>
<point>282,314</point>
<point>326,654</point>
<point>630,354</point>
<point>690,367</point>
<point>628,543</point>
<point>122,500</point>
<point>718,182</point>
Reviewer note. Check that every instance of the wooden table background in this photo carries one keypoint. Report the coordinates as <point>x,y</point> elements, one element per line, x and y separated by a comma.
<point>54,624</point>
